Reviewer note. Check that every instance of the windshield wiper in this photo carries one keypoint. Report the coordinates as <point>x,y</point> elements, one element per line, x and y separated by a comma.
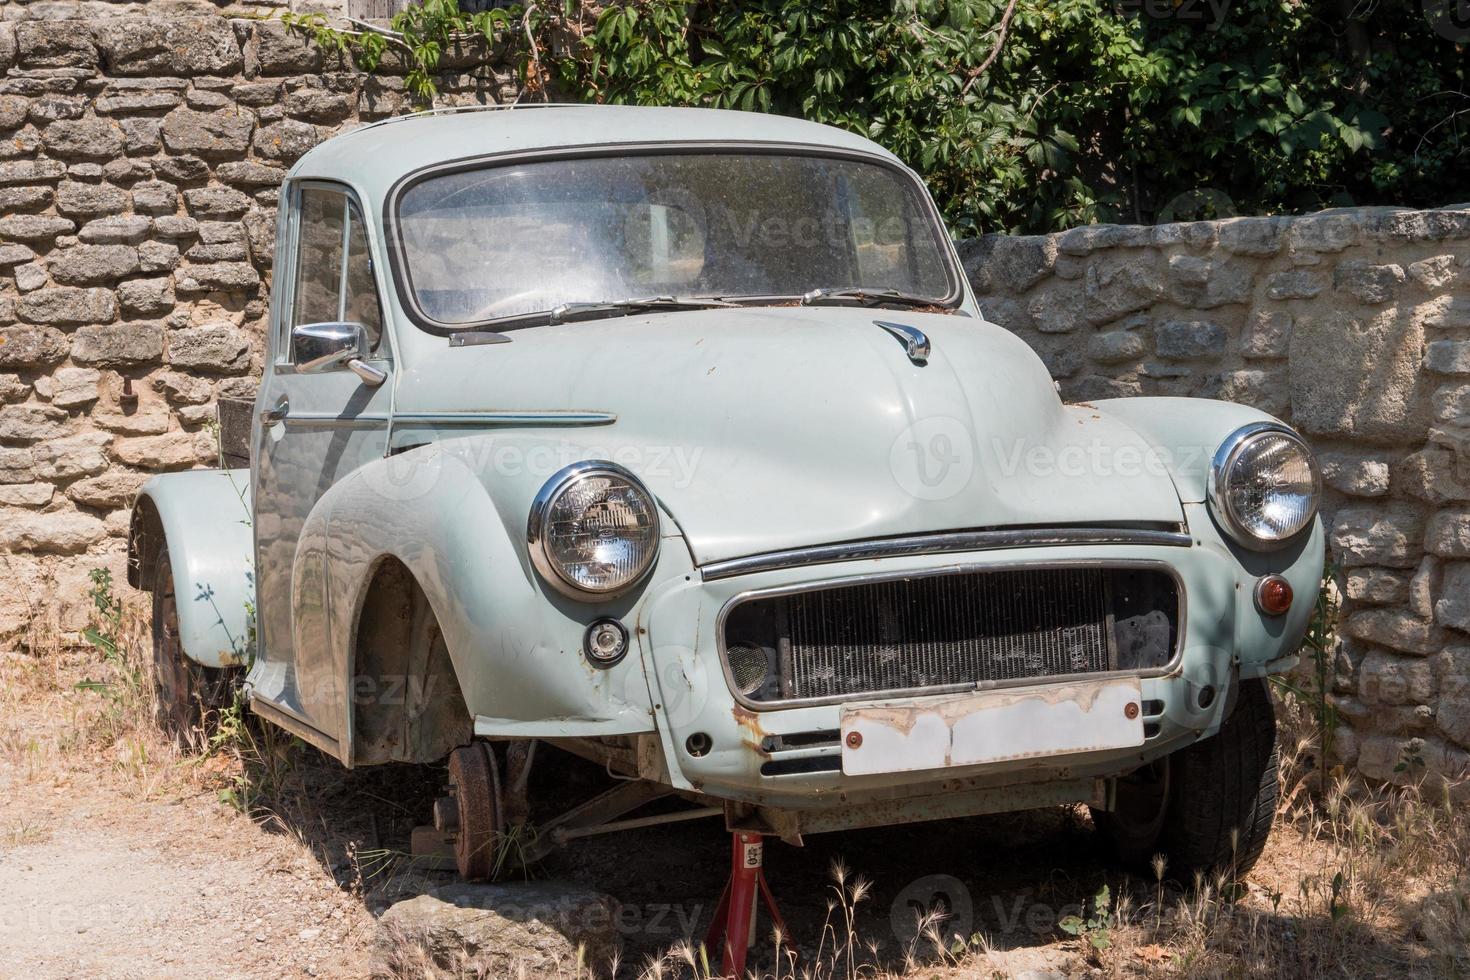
<point>858,296</point>
<point>568,312</point>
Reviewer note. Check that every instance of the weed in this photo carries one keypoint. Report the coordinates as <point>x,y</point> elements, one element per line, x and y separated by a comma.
<point>124,683</point>
<point>1093,930</point>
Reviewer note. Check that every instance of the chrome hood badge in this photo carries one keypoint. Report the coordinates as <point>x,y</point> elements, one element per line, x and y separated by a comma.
<point>915,341</point>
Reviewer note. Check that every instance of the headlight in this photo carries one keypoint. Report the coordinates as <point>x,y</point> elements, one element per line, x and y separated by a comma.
<point>593,531</point>
<point>1264,485</point>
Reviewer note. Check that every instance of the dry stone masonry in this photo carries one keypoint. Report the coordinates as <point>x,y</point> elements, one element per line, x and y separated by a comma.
<point>140,160</point>
<point>1353,325</point>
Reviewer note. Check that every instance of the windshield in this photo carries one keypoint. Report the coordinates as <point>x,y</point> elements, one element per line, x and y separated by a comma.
<point>510,241</point>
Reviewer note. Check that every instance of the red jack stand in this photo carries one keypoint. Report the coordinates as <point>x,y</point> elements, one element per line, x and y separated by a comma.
<point>734,921</point>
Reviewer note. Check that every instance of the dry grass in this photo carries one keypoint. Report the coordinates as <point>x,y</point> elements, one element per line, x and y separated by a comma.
<point>1357,881</point>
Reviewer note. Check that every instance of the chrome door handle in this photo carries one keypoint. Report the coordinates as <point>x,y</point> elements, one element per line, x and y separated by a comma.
<point>270,416</point>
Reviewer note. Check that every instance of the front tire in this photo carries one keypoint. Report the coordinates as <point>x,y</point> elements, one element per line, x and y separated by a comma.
<point>1207,808</point>
<point>187,696</point>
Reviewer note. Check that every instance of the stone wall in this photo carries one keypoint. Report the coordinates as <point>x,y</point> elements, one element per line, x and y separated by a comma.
<point>93,10</point>
<point>140,161</point>
<point>139,166</point>
<point>1354,326</point>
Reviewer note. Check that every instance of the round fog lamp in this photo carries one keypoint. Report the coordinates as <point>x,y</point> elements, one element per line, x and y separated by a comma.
<point>1273,595</point>
<point>605,643</point>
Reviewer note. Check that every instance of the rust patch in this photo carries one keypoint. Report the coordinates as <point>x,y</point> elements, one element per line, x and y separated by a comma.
<point>903,717</point>
<point>751,732</point>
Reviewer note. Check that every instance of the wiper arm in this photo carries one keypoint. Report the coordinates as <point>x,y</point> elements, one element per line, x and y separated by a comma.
<point>858,296</point>
<point>568,312</point>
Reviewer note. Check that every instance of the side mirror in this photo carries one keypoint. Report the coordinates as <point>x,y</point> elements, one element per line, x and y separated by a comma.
<point>318,347</point>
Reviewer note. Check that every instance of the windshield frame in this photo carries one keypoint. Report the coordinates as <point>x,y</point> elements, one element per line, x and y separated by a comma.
<point>393,230</point>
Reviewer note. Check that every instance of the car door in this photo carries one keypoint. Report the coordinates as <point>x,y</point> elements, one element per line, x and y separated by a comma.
<point>313,429</point>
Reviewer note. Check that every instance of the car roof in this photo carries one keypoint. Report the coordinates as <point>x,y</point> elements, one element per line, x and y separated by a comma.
<point>377,155</point>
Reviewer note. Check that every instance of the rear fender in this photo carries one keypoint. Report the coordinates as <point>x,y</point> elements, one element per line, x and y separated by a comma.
<point>203,517</point>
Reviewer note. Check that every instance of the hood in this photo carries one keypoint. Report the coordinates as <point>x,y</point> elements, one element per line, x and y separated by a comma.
<point>762,429</point>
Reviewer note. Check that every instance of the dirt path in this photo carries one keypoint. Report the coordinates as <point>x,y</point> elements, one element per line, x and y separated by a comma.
<point>111,887</point>
<point>118,858</point>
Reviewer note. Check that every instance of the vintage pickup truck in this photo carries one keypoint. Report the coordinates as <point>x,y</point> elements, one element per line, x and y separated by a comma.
<point>676,439</point>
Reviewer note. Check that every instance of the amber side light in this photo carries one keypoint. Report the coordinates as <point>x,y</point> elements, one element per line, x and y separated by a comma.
<point>1273,595</point>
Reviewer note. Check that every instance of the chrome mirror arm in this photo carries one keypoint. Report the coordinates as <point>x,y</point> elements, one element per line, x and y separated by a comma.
<point>370,376</point>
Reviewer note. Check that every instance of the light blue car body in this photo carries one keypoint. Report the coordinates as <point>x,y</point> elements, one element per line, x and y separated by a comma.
<point>760,432</point>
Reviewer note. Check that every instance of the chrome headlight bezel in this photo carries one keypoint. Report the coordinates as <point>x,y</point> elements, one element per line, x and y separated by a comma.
<point>1227,455</point>
<point>536,544</point>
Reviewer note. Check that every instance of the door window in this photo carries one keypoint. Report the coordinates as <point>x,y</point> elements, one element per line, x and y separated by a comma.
<point>334,270</point>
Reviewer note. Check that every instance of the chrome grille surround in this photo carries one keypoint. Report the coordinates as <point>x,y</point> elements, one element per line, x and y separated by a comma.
<point>955,629</point>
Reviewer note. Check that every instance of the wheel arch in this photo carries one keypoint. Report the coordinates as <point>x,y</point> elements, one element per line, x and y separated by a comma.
<point>515,644</point>
<point>404,701</point>
<point>203,518</point>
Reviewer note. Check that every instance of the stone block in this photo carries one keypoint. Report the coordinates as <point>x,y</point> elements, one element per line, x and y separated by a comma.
<point>70,458</point>
<point>1294,284</point>
<point>215,348</point>
<point>1396,629</point>
<point>187,46</point>
<point>1448,534</point>
<point>285,141</point>
<point>226,276</point>
<point>84,200</point>
<point>1376,586</point>
<point>216,202</point>
<point>1358,377</point>
<point>118,344</point>
<point>60,533</point>
<point>70,387</point>
<point>90,265</point>
<point>171,451</point>
<point>1355,474</point>
<point>83,139</point>
<point>212,135</point>
<point>41,228</point>
<point>537,928</point>
<point>31,423</point>
<point>53,44</point>
<point>31,347</point>
<point>116,487</point>
<point>1391,536</point>
<point>1178,340</point>
<point>116,230</point>
<point>1434,273</point>
<point>146,297</point>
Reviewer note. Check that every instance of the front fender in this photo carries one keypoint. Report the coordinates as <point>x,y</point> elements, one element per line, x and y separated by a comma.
<point>203,518</point>
<point>515,644</point>
<point>1184,434</point>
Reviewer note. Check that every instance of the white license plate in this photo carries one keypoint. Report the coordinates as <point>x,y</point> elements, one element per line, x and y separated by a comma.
<point>991,726</point>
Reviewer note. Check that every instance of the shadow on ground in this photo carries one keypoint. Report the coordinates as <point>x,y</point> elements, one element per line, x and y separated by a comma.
<point>1011,877</point>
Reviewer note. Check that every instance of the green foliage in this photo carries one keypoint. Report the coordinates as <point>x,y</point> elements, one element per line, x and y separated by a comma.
<point>1092,930</point>
<point>1319,645</point>
<point>126,686</point>
<point>1079,110</point>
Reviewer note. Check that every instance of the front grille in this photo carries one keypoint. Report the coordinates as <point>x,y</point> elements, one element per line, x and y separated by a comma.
<point>954,631</point>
